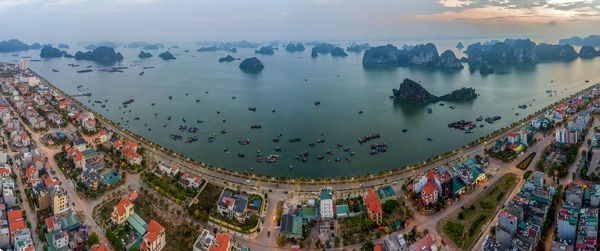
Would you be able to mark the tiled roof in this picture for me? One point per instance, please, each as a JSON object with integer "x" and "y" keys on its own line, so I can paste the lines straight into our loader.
{"x": 373, "y": 203}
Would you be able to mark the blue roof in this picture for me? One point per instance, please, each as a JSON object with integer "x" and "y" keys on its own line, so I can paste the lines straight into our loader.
{"x": 256, "y": 203}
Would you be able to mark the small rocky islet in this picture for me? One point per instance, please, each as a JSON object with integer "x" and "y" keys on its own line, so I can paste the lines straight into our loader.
{"x": 166, "y": 56}
{"x": 412, "y": 92}
{"x": 228, "y": 58}
{"x": 251, "y": 65}
{"x": 144, "y": 54}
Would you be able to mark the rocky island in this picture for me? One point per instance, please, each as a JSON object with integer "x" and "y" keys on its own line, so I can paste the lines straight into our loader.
{"x": 251, "y": 65}
{"x": 412, "y": 92}
{"x": 265, "y": 50}
{"x": 592, "y": 40}
{"x": 166, "y": 55}
{"x": 326, "y": 48}
{"x": 420, "y": 55}
{"x": 460, "y": 46}
{"x": 228, "y": 58}
{"x": 517, "y": 51}
{"x": 358, "y": 48}
{"x": 587, "y": 51}
{"x": 144, "y": 54}
{"x": 291, "y": 47}
{"x": 51, "y": 52}
{"x": 102, "y": 55}
{"x": 13, "y": 45}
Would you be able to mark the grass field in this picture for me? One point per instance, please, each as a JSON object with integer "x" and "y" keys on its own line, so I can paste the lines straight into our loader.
{"x": 525, "y": 163}
{"x": 463, "y": 229}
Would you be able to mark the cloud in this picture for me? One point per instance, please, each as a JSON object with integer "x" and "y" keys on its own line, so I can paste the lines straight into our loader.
{"x": 513, "y": 11}
{"x": 9, "y": 4}
{"x": 455, "y": 3}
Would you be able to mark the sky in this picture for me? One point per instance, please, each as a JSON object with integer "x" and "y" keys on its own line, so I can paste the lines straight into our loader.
{"x": 289, "y": 20}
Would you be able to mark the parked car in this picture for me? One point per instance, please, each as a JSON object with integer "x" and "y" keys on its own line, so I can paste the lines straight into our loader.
{"x": 268, "y": 233}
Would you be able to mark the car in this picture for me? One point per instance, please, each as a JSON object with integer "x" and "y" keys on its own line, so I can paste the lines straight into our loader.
{"x": 247, "y": 181}
{"x": 395, "y": 183}
{"x": 462, "y": 207}
{"x": 285, "y": 192}
{"x": 443, "y": 242}
{"x": 268, "y": 233}
{"x": 270, "y": 190}
{"x": 485, "y": 187}
{"x": 385, "y": 180}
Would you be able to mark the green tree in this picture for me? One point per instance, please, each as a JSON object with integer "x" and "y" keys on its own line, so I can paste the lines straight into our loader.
{"x": 368, "y": 246}
{"x": 336, "y": 241}
{"x": 134, "y": 248}
{"x": 93, "y": 239}
{"x": 282, "y": 240}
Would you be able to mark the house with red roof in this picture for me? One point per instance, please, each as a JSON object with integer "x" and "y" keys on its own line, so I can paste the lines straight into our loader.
{"x": 122, "y": 211}
{"x": 430, "y": 194}
{"x": 98, "y": 247}
{"x": 15, "y": 221}
{"x": 155, "y": 237}
{"x": 191, "y": 180}
{"x": 128, "y": 151}
{"x": 513, "y": 137}
{"x": 32, "y": 173}
{"x": 104, "y": 135}
{"x": 374, "y": 210}
{"x": 222, "y": 243}
{"x": 77, "y": 156}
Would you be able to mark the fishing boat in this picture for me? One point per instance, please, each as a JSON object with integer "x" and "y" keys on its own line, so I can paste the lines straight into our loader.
{"x": 223, "y": 131}
{"x": 244, "y": 142}
{"x": 368, "y": 137}
{"x": 129, "y": 101}
{"x": 429, "y": 110}
{"x": 84, "y": 71}
{"x": 312, "y": 144}
{"x": 170, "y": 97}
{"x": 252, "y": 109}
{"x": 175, "y": 136}
{"x": 141, "y": 73}
{"x": 256, "y": 126}
{"x": 404, "y": 130}
{"x": 317, "y": 103}
{"x": 278, "y": 149}
{"x": 241, "y": 155}
{"x": 148, "y": 67}
{"x": 54, "y": 70}
{"x": 295, "y": 139}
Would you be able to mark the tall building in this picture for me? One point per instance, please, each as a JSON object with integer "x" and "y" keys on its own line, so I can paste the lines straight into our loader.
{"x": 23, "y": 65}
{"x": 59, "y": 201}
{"x": 326, "y": 206}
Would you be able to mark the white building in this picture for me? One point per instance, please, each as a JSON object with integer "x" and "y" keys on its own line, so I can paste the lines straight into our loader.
{"x": 326, "y": 206}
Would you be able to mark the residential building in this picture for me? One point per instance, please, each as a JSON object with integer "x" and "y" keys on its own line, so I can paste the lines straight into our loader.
{"x": 326, "y": 205}
{"x": 169, "y": 169}
{"x": 59, "y": 202}
{"x": 155, "y": 237}
{"x": 425, "y": 243}
{"x": 222, "y": 243}
{"x": 190, "y": 179}
{"x": 204, "y": 241}
{"x": 394, "y": 242}
{"x": 122, "y": 211}
{"x": 233, "y": 206}
{"x": 373, "y": 204}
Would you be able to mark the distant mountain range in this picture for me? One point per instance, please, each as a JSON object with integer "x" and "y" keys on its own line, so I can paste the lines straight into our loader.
{"x": 592, "y": 40}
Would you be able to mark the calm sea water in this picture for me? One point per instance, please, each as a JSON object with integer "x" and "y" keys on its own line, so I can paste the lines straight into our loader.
{"x": 341, "y": 85}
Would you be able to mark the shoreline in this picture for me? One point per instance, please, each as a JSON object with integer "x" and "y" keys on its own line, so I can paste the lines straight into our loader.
{"x": 441, "y": 157}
